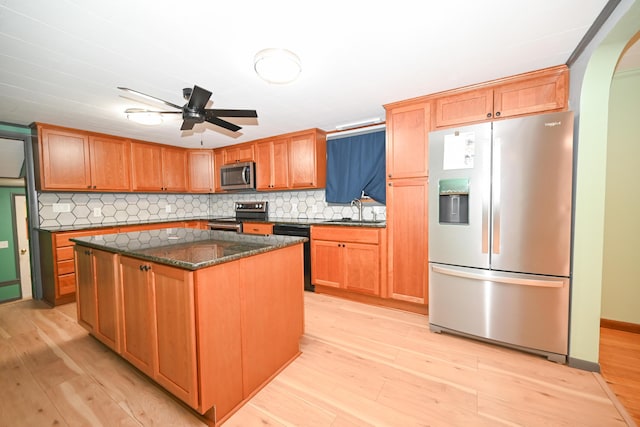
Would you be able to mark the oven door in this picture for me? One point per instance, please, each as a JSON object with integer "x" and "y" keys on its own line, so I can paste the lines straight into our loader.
{"x": 234, "y": 226}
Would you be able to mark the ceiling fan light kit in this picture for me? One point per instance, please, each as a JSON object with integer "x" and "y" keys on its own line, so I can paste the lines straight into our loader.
{"x": 279, "y": 66}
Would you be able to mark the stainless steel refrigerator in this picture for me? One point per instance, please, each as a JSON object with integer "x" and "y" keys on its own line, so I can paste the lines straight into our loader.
{"x": 500, "y": 232}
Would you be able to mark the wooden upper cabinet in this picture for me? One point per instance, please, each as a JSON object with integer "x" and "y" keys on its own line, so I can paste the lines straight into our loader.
{"x": 407, "y": 140}
{"x": 218, "y": 161}
{"x": 110, "y": 163}
{"x": 64, "y": 159}
{"x": 272, "y": 164}
{"x": 536, "y": 92}
{"x": 239, "y": 153}
{"x": 158, "y": 168}
{"x": 467, "y": 107}
{"x": 174, "y": 169}
{"x": 308, "y": 159}
{"x": 146, "y": 165}
{"x": 200, "y": 171}
{"x": 536, "y": 95}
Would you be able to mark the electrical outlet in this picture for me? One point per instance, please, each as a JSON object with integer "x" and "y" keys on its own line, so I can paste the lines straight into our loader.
{"x": 97, "y": 212}
{"x": 167, "y": 208}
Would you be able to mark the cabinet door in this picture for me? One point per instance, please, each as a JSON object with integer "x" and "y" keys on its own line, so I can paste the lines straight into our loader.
{"x": 306, "y": 169}
{"x": 174, "y": 169}
{"x": 327, "y": 266}
{"x": 264, "y": 165}
{"x": 85, "y": 288}
{"x": 218, "y": 161}
{"x": 107, "y": 281}
{"x": 176, "y": 333}
{"x": 138, "y": 315}
{"x": 408, "y": 240}
{"x": 110, "y": 163}
{"x": 362, "y": 268}
{"x": 407, "y": 146}
{"x": 65, "y": 163}
{"x": 536, "y": 95}
{"x": 146, "y": 167}
{"x": 200, "y": 171}
{"x": 280, "y": 162}
{"x": 467, "y": 107}
{"x": 239, "y": 153}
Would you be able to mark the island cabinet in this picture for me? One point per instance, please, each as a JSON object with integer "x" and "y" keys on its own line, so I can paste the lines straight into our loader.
{"x": 200, "y": 167}
{"x": 531, "y": 93}
{"x": 212, "y": 336}
{"x": 158, "y": 323}
{"x": 272, "y": 164}
{"x": 158, "y": 168}
{"x": 98, "y": 294}
{"x": 69, "y": 159}
{"x": 347, "y": 258}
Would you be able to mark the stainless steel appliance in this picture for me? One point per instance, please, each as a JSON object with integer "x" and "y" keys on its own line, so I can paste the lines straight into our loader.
{"x": 238, "y": 176}
{"x": 500, "y": 202}
{"x": 300, "y": 230}
{"x": 244, "y": 211}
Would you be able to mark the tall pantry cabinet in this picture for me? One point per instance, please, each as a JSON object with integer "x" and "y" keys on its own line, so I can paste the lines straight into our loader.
{"x": 408, "y": 126}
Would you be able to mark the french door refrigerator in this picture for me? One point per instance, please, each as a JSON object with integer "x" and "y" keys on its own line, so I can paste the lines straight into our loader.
{"x": 500, "y": 199}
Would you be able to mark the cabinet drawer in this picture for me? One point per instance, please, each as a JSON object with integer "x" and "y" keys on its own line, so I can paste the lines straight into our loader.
{"x": 257, "y": 228}
{"x": 66, "y": 284}
{"x": 65, "y": 253}
{"x": 66, "y": 267}
{"x": 346, "y": 234}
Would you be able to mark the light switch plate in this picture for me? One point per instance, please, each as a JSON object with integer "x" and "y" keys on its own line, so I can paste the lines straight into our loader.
{"x": 61, "y": 207}
{"x": 4, "y": 244}
{"x": 97, "y": 212}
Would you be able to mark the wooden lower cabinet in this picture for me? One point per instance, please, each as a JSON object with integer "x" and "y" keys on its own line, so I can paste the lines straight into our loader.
{"x": 260, "y": 228}
{"x": 347, "y": 257}
{"x": 407, "y": 233}
{"x": 212, "y": 337}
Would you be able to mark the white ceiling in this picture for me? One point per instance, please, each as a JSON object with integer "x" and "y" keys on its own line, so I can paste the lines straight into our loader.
{"x": 61, "y": 61}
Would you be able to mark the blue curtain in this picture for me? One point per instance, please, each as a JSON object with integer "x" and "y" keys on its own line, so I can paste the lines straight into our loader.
{"x": 356, "y": 164}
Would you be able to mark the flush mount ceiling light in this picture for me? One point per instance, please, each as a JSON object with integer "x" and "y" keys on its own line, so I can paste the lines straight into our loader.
{"x": 144, "y": 117}
{"x": 278, "y": 66}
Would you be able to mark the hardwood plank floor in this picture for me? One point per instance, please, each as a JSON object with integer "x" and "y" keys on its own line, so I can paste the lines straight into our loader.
{"x": 620, "y": 365}
{"x": 361, "y": 366}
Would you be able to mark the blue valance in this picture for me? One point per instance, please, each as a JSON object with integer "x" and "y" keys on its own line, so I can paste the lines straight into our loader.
{"x": 356, "y": 164}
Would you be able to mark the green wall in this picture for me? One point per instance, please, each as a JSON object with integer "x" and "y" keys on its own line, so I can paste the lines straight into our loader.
{"x": 621, "y": 263}
{"x": 8, "y": 270}
{"x": 591, "y": 176}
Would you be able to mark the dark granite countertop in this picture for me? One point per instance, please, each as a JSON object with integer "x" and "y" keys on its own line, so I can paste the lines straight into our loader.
{"x": 187, "y": 248}
{"x": 277, "y": 220}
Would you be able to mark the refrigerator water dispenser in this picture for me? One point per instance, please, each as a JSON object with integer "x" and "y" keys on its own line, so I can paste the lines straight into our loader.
{"x": 454, "y": 201}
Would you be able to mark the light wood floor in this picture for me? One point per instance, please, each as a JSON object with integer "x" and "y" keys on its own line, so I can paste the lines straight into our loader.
{"x": 361, "y": 366}
{"x": 620, "y": 365}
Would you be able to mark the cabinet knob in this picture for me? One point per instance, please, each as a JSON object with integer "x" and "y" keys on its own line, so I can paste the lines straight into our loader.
{"x": 390, "y": 184}
{"x": 389, "y": 175}
{"x": 142, "y": 268}
{"x": 88, "y": 186}
{"x": 488, "y": 115}
{"x": 497, "y": 113}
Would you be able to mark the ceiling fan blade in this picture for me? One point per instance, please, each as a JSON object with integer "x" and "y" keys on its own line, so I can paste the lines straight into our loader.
{"x": 142, "y": 110}
{"x": 222, "y": 123}
{"x": 198, "y": 99}
{"x": 188, "y": 124}
{"x": 231, "y": 113}
{"x": 153, "y": 98}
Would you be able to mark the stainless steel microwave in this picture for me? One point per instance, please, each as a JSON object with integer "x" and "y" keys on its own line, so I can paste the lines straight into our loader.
{"x": 238, "y": 176}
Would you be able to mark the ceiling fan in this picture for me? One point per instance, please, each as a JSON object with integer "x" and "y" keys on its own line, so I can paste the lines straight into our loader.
{"x": 194, "y": 110}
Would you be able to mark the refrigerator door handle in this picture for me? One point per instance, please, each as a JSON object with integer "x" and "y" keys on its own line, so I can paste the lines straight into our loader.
{"x": 550, "y": 283}
{"x": 486, "y": 198}
{"x": 497, "y": 160}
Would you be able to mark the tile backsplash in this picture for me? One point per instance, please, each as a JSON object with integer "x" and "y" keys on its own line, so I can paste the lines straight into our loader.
{"x": 77, "y": 209}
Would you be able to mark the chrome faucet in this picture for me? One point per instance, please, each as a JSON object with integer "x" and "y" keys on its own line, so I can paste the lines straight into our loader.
{"x": 358, "y": 204}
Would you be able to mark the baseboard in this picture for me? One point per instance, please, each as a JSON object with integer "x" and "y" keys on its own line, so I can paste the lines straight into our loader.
{"x": 583, "y": 364}
{"x": 620, "y": 326}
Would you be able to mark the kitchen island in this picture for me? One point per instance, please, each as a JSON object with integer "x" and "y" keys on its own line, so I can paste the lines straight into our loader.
{"x": 211, "y": 316}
